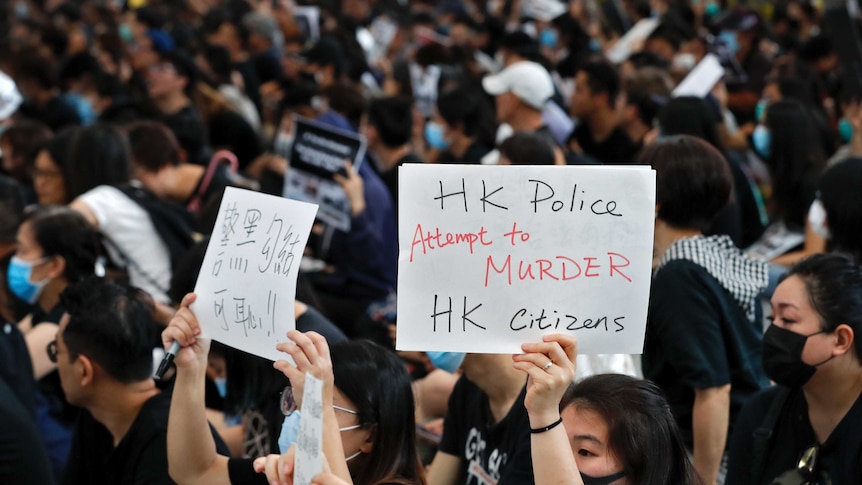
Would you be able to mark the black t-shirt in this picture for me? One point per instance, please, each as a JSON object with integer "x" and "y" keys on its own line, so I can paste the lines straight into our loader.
{"x": 697, "y": 337}
{"x": 23, "y": 458}
{"x": 141, "y": 456}
{"x": 617, "y": 149}
{"x": 390, "y": 178}
{"x": 251, "y": 82}
{"x": 16, "y": 368}
{"x": 840, "y": 457}
{"x": 472, "y": 156}
{"x": 491, "y": 453}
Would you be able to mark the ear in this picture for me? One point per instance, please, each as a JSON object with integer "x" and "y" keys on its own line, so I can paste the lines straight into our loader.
{"x": 844, "y": 338}
{"x": 58, "y": 266}
{"x": 86, "y": 370}
{"x": 368, "y": 445}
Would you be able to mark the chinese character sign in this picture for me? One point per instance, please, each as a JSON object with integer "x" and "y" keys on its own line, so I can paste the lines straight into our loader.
{"x": 492, "y": 257}
{"x": 247, "y": 284}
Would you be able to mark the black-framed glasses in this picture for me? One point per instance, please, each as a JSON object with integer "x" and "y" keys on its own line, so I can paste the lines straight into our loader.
{"x": 52, "y": 351}
{"x": 287, "y": 403}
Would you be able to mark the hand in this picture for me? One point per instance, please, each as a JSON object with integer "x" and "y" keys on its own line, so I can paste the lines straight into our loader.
{"x": 354, "y": 188}
{"x": 278, "y": 468}
{"x": 310, "y": 352}
{"x": 184, "y": 328}
{"x": 547, "y": 384}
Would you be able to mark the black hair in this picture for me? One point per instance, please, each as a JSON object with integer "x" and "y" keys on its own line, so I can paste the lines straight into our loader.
{"x": 150, "y": 17}
{"x": 647, "y": 59}
{"x": 61, "y": 231}
{"x": 602, "y": 77}
{"x": 521, "y": 44}
{"x": 693, "y": 181}
{"x": 795, "y": 161}
{"x": 839, "y": 187}
{"x": 647, "y": 91}
{"x": 375, "y": 380}
{"x": 219, "y": 62}
{"x": 153, "y": 145}
{"x": 526, "y": 148}
{"x": 77, "y": 67}
{"x": 183, "y": 65}
{"x": 25, "y": 138}
{"x": 30, "y": 65}
{"x": 11, "y": 209}
{"x": 347, "y": 100}
{"x": 834, "y": 286}
{"x": 215, "y": 18}
{"x": 98, "y": 155}
{"x": 393, "y": 119}
{"x": 112, "y": 325}
{"x": 817, "y": 47}
{"x": 468, "y": 109}
{"x": 639, "y": 422}
{"x": 690, "y": 115}
{"x": 58, "y": 149}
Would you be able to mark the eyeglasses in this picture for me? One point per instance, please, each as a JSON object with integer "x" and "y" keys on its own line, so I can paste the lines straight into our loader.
{"x": 807, "y": 466}
{"x": 287, "y": 404}
{"x": 52, "y": 351}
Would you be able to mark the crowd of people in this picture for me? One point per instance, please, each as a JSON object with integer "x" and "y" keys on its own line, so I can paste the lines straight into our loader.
{"x": 122, "y": 123}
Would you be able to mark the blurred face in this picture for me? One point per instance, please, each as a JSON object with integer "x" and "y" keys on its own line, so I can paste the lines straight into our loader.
{"x": 30, "y": 250}
{"x": 582, "y": 100}
{"x": 460, "y": 34}
{"x": 162, "y": 79}
{"x": 588, "y": 437}
{"x": 661, "y": 48}
{"x": 506, "y": 104}
{"x": 792, "y": 310}
{"x": 226, "y": 36}
{"x": 69, "y": 371}
{"x": 48, "y": 181}
{"x": 8, "y": 157}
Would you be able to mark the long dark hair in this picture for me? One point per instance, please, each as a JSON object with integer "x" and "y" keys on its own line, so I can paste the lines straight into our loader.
{"x": 639, "y": 424}
{"x": 795, "y": 161}
{"x": 376, "y": 381}
{"x": 61, "y": 231}
{"x": 688, "y": 115}
{"x": 98, "y": 155}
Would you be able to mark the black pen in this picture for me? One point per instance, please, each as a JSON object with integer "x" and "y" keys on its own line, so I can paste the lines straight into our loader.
{"x": 166, "y": 360}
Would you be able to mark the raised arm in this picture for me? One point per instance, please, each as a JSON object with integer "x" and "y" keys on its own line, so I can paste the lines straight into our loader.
{"x": 192, "y": 456}
{"x": 550, "y": 365}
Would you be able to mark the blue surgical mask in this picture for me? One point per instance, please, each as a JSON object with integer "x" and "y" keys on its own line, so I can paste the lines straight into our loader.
{"x": 83, "y": 107}
{"x": 221, "y": 385}
{"x": 728, "y": 37}
{"x": 18, "y": 276}
{"x": 447, "y": 361}
{"x": 548, "y": 38}
{"x": 845, "y": 129}
{"x": 712, "y": 8}
{"x": 762, "y": 140}
{"x": 759, "y": 110}
{"x": 126, "y": 34}
{"x": 434, "y": 135}
{"x": 289, "y": 431}
{"x": 606, "y": 480}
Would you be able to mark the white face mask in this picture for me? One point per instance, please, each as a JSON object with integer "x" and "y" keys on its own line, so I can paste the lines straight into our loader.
{"x": 504, "y": 132}
{"x": 817, "y": 219}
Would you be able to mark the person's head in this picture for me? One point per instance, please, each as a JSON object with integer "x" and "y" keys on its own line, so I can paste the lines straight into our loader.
{"x": 463, "y": 112}
{"x": 838, "y": 194}
{"x": 98, "y": 155}
{"x": 56, "y": 247}
{"x": 525, "y": 148}
{"x": 11, "y": 212}
{"x": 615, "y": 424}
{"x": 325, "y": 62}
{"x": 522, "y": 86}
{"x": 789, "y": 144}
{"x": 105, "y": 339}
{"x": 819, "y": 53}
{"x": 693, "y": 181}
{"x": 263, "y": 32}
{"x": 155, "y": 151}
{"x": 51, "y": 169}
{"x": 664, "y": 42}
{"x": 220, "y": 28}
{"x": 596, "y": 87}
{"x": 173, "y": 74}
{"x": 34, "y": 74}
{"x": 515, "y": 47}
{"x": 642, "y": 96}
{"x": 690, "y": 115}
{"x": 816, "y": 314}
{"x": 372, "y": 381}
{"x": 390, "y": 122}
{"x": 19, "y": 144}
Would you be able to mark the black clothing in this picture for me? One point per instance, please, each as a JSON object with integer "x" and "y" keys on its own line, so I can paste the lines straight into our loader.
{"x": 840, "y": 457}
{"x": 229, "y": 130}
{"x": 617, "y": 149}
{"x": 23, "y": 458}
{"x": 56, "y": 114}
{"x": 190, "y": 132}
{"x": 390, "y": 177}
{"x": 250, "y": 81}
{"x": 472, "y": 156}
{"x": 490, "y": 453}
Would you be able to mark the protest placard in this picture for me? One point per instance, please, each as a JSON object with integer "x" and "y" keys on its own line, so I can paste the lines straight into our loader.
{"x": 307, "y": 18}
{"x": 309, "y": 438}
{"x": 317, "y": 154}
{"x": 623, "y": 48}
{"x": 247, "y": 282}
{"x": 492, "y": 257}
{"x": 701, "y": 79}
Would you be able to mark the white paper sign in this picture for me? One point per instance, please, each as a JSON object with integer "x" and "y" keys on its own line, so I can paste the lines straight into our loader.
{"x": 623, "y": 47}
{"x": 247, "y": 283}
{"x": 492, "y": 257}
{"x": 309, "y": 438}
{"x": 701, "y": 79}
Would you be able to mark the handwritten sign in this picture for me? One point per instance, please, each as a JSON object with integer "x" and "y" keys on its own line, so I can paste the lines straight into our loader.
{"x": 317, "y": 154}
{"x": 636, "y": 35}
{"x": 247, "y": 283}
{"x": 701, "y": 79}
{"x": 492, "y": 257}
{"x": 309, "y": 438}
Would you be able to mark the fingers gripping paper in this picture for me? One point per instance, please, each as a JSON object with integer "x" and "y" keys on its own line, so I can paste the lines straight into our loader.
{"x": 247, "y": 283}
{"x": 491, "y": 257}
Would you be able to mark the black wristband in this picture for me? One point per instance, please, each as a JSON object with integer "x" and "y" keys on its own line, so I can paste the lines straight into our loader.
{"x": 546, "y": 428}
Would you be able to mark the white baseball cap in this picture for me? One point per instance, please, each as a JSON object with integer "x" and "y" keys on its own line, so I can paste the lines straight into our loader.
{"x": 10, "y": 98}
{"x": 527, "y": 80}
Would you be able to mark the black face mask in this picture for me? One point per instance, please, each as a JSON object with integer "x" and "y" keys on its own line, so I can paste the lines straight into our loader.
{"x": 606, "y": 480}
{"x": 782, "y": 357}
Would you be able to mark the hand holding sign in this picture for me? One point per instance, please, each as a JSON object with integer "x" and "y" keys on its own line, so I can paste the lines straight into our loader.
{"x": 310, "y": 354}
{"x": 184, "y": 329}
{"x": 247, "y": 284}
{"x": 551, "y": 367}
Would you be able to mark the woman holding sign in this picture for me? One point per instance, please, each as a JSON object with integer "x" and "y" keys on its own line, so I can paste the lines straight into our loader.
{"x": 368, "y": 423}
{"x": 612, "y": 425}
